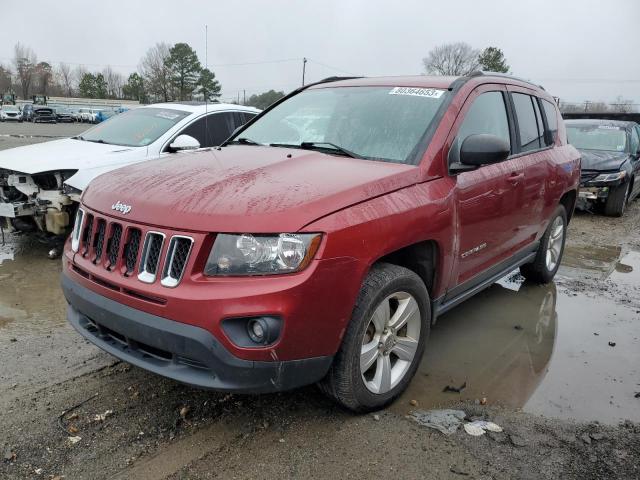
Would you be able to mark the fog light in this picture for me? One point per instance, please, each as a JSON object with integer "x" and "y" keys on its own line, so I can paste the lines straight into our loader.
{"x": 258, "y": 330}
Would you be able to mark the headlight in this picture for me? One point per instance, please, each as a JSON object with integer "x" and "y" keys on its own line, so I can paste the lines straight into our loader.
{"x": 248, "y": 254}
{"x": 610, "y": 177}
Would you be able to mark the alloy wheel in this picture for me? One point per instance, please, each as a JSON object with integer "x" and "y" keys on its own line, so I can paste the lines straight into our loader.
{"x": 390, "y": 342}
{"x": 554, "y": 247}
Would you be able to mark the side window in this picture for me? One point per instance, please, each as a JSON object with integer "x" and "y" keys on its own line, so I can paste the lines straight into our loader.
{"x": 211, "y": 130}
{"x": 197, "y": 131}
{"x": 539, "y": 121}
{"x": 551, "y": 115}
{"x": 248, "y": 116}
{"x": 527, "y": 122}
{"x": 487, "y": 114}
{"x": 635, "y": 139}
{"x": 240, "y": 118}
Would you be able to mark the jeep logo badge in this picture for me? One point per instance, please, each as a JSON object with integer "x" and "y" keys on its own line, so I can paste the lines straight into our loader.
{"x": 121, "y": 207}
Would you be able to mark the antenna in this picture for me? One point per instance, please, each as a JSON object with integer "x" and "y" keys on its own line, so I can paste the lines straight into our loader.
{"x": 206, "y": 66}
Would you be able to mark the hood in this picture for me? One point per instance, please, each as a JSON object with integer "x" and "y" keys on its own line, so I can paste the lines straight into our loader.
{"x": 602, "y": 160}
{"x": 243, "y": 188}
{"x": 66, "y": 154}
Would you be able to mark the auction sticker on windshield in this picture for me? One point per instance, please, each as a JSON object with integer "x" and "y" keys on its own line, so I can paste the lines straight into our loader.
{"x": 417, "y": 92}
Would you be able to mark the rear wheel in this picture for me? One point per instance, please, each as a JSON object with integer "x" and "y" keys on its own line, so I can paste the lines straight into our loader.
{"x": 617, "y": 200}
{"x": 549, "y": 254}
{"x": 384, "y": 342}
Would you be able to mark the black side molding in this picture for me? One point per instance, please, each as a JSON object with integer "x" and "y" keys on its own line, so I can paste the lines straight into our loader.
{"x": 483, "y": 280}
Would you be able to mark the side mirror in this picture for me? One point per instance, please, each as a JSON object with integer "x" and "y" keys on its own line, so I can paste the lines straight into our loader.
{"x": 483, "y": 149}
{"x": 184, "y": 142}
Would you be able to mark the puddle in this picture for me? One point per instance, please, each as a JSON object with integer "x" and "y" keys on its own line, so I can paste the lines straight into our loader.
{"x": 30, "y": 297}
{"x": 596, "y": 261}
{"x": 534, "y": 349}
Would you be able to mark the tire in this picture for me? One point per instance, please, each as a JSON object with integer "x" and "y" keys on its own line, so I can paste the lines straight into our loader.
{"x": 391, "y": 286}
{"x": 549, "y": 254}
{"x": 617, "y": 200}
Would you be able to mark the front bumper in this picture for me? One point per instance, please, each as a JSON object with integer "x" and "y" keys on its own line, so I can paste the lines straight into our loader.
{"x": 183, "y": 352}
{"x": 593, "y": 193}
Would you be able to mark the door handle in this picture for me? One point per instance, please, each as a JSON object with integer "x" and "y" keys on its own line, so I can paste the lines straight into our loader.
{"x": 515, "y": 177}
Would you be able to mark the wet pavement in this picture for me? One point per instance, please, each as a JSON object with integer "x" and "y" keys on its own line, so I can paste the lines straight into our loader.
{"x": 542, "y": 349}
{"x": 537, "y": 349}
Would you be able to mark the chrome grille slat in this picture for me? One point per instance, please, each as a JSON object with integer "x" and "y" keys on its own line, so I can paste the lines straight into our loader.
{"x": 150, "y": 258}
{"x": 98, "y": 242}
{"x": 86, "y": 236}
{"x": 176, "y": 260}
{"x": 113, "y": 245}
{"x": 131, "y": 250}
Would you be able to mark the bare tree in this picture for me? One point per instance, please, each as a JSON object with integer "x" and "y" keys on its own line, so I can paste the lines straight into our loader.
{"x": 65, "y": 77}
{"x": 156, "y": 74}
{"x": 78, "y": 74}
{"x": 5, "y": 79}
{"x": 43, "y": 77}
{"x": 451, "y": 59}
{"x": 114, "y": 80}
{"x": 622, "y": 105}
{"x": 25, "y": 61}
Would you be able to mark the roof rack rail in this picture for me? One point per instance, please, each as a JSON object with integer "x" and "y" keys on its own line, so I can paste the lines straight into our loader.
{"x": 480, "y": 73}
{"x": 336, "y": 79}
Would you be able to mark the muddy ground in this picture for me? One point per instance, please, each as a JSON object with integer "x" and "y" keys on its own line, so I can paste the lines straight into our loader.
{"x": 556, "y": 366}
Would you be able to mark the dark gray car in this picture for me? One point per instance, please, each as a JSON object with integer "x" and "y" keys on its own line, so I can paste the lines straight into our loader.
{"x": 610, "y": 162}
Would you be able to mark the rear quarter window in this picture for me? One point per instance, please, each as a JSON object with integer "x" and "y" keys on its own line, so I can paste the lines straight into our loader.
{"x": 530, "y": 136}
{"x": 551, "y": 114}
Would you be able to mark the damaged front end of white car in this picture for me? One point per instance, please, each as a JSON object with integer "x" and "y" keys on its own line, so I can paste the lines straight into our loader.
{"x": 37, "y": 202}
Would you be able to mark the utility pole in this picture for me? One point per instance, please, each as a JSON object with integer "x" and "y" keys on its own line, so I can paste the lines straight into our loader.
{"x": 304, "y": 68}
{"x": 244, "y": 97}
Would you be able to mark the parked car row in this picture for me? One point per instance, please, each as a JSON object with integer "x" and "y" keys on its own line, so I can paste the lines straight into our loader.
{"x": 55, "y": 113}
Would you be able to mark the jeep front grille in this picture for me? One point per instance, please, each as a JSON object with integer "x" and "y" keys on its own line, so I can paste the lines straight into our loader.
{"x": 130, "y": 250}
{"x": 176, "y": 260}
{"x": 150, "y": 256}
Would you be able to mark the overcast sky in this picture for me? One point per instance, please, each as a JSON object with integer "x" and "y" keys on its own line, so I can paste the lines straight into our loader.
{"x": 578, "y": 49}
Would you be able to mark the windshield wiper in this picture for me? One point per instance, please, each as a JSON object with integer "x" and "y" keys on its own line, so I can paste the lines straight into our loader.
{"x": 78, "y": 137}
{"x": 244, "y": 141}
{"x": 320, "y": 146}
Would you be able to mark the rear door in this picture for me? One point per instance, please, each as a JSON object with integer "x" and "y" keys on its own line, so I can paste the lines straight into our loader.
{"x": 487, "y": 198}
{"x": 534, "y": 154}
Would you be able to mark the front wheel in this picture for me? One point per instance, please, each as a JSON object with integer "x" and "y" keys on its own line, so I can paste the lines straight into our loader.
{"x": 549, "y": 253}
{"x": 384, "y": 342}
{"x": 617, "y": 200}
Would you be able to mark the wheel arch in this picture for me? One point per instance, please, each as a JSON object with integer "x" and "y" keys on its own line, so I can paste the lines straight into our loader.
{"x": 568, "y": 201}
{"x": 421, "y": 258}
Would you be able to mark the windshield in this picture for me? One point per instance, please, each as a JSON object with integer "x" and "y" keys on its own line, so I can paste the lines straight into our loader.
{"x": 597, "y": 137}
{"x": 135, "y": 128}
{"x": 376, "y": 123}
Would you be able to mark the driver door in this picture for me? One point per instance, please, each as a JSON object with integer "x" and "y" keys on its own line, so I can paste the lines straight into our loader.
{"x": 487, "y": 198}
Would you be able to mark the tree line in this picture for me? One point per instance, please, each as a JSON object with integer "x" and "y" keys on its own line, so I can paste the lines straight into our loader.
{"x": 165, "y": 73}
{"x": 173, "y": 72}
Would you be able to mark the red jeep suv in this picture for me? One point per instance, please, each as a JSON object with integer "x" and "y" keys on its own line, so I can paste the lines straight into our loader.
{"x": 321, "y": 242}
